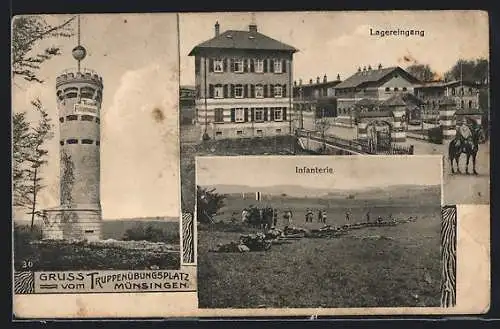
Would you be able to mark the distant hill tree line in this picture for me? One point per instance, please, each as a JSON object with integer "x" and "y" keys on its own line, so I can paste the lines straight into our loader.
{"x": 470, "y": 70}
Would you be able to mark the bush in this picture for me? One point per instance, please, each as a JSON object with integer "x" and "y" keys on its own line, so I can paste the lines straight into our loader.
{"x": 150, "y": 233}
{"x": 23, "y": 248}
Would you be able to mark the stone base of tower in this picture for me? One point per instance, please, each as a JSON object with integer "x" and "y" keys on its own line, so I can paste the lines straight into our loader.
{"x": 72, "y": 224}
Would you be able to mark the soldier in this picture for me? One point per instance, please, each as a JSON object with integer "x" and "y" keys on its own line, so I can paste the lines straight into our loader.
{"x": 463, "y": 132}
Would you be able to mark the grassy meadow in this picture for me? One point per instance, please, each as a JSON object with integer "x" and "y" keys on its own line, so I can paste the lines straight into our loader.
{"x": 104, "y": 255}
{"x": 396, "y": 266}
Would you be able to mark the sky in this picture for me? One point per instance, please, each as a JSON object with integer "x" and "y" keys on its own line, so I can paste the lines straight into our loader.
{"x": 334, "y": 43}
{"x": 137, "y": 57}
{"x": 349, "y": 173}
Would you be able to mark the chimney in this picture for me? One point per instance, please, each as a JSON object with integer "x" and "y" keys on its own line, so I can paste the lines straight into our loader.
{"x": 317, "y": 79}
{"x": 359, "y": 68}
{"x": 295, "y": 83}
{"x": 364, "y": 68}
{"x": 324, "y": 79}
{"x": 380, "y": 66}
{"x": 369, "y": 67}
{"x": 338, "y": 77}
{"x": 217, "y": 29}
{"x": 310, "y": 81}
{"x": 300, "y": 82}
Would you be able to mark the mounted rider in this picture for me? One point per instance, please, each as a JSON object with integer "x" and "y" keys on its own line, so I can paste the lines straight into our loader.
{"x": 464, "y": 132}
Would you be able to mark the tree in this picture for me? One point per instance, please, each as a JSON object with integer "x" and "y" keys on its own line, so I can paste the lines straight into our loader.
{"x": 422, "y": 72}
{"x": 28, "y": 156}
{"x": 322, "y": 125}
{"x": 27, "y": 31}
{"x": 476, "y": 71}
{"x": 208, "y": 204}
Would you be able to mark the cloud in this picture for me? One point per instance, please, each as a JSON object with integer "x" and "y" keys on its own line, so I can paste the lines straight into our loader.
{"x": 139, "y": 146}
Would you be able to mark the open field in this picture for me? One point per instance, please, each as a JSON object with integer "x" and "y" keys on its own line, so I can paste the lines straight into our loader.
{"x": 393, "y": 266}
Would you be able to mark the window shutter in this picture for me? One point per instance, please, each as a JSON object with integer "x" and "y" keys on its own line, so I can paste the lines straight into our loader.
{"x": 283, "y": 66}
{"x": 246, "y": 114}
{"x": 264, "y": 87}
{"x": 271, "y": 90}
{"x": 232, "y": 64}
{"x": 265, "y": 65}
{"x": 252, "y": 91}
{"x": 245, "y": 65}
{"x": 265, "y": 113}
{"x": 225, "y": 91}
{"x": 252, "y": 67}
{"x": 284, "y": 114}
{"x": 210, "y": 65}
{"x": 224, "y": 64}
{"x": 210, "y": 91}
{"x": 252, "y": 115}
{"x": 244, "y": 91}
{"x": 283, "y": 90}
{"x": 271, "y": 65}
{"x": 232, "y": 91}
{"x": 272, "y": 114}
{"x": 233, "y": 115}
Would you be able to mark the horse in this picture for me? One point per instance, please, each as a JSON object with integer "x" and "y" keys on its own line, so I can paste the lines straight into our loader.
{"x": 469, "y": 146}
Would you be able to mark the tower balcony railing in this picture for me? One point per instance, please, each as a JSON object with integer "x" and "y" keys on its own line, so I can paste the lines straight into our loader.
{"x": 74, "y": 73}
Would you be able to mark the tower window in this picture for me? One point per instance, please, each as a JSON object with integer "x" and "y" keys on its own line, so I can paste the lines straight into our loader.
{"x": 72, "y": 117}
{"x": 71, "y": 92}
{"x": 61, "y": 142}
{"x": 87, "y": 92}
{"x": 87, "y": 141}
{"x": 72, "y": 141}
{"x": 97, "y": 120}
{"x": 97, "y": 143}
{"x": 61, "y": 119}
{"x": 87, "y": 118}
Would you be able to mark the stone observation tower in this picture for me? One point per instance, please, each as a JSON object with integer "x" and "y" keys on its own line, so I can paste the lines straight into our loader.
{"x": 79, "y": 97}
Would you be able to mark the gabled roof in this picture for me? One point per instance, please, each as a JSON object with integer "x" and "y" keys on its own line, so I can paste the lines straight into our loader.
{"x": 374, "y": 75}
{"x": 232, "y": 39}
{"x": 403, "y": 99}
{"x": 441, "y": 84}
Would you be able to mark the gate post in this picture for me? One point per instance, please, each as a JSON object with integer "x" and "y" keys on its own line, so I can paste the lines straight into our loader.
{"x": 398, "y": 135}
{"x": 447, "y": 110}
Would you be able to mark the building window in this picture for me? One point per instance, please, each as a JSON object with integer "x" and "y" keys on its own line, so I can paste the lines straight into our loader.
{"x": 87, "y": 141}
{"x": 72, "y": 141}
{"x": 387, "y": 89}
{"x": 219, "y": 92}
{"x": 404, "y": 89}
{"x": 396, "y": 88}
{"x": 238, "y": 91}
{"x": 470, "y": 91}
{"x": 61, "y": 142}
{"x": 72, "y": 117}
{"x": 61, "y": 119}
{"x": 259, "y": 115}
{"x": 278, "y": 91}
{"x": 259, "y": 65}
{"x": 259, "y": 132}
{"x": 453, "y": 91}
{"x": 277, "y": 66}
{"x": 218, "y": 65}
{"x": 219, "y": 115}
{"x": 239, "y": 115}
{"x": 97, "y": 143}
{"x": 278, "y": 114}
{"x": 97, "y": 120}
{"x": 278, "y": 131}
{"x": 259, "y": 91}
{"x": 239, "y": 132}
{"x": 238, "y": 65}
{"x": 87, "y": 118}
{"x": 470, "y": 104}
{"x": 218, "y": 133}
